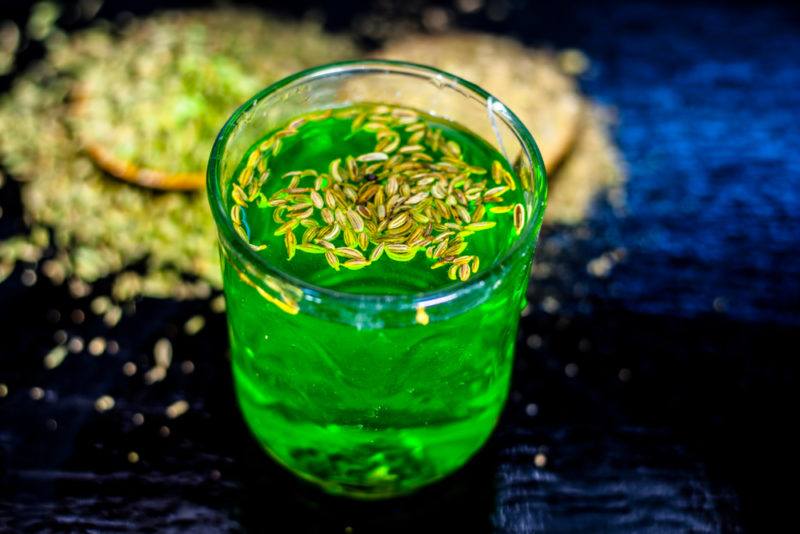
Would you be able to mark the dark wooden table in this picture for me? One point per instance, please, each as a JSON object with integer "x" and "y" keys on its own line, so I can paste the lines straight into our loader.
{"x": 658, "y": 396}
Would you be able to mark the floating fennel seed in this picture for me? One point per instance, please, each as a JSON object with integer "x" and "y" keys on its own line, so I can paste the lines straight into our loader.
{"x": 421, "y": 156}
{"x": 372, "y": 156}
{"x": 476, "y": 170}
{"x": 399, "y": 250}
{"x": 419, "y": 242}
{"x": 290, "y": 241}
{"x": 519, "y": 218}
{"x": 456, "y": 248}
{"x": 349, "y": 236}
{"x": 452, "y": 272}
{"x": 374, "y": 126}
{"x": 391, "y": 146}
{"x": 330, "y": 199}
{"x": 285, "y": 227}
{"x": 350, "y": 253}
{"x": 304, "y": 214}
{"x": 352, "y": 167}
{"x": 317, "y": 200}
{"x": 332, "y": 260}
{"x": 261, "y": 166}
{"x": 355, "y": 220}
{"x": 401, "y": 230}
{"x": 241, "y": 232}
{"x": 311, "y": 248}
{"x": 355, "y": 264}
{"x": 333, "y": 170}
{"x": 309, "y": 234}
{"x": 377, "y": 252}
{"x": 415, "y": 138}
{"x": 253, "y": 159}
{"x": 496, "y": 191}
{"x": 478, "y": 226}
{"x": 509, "y": 180}
{"x": 416, "y": 199}
{"x": 350, "y": 193}
{"x": 236, "y": 214}
{"x": 501, "y": 209}
{"x": 420, "y": 217}
{"x": 363, "y": 241}
{"x": 299, "y": 206}
{"x": 364, "y": 211}
{"x": 330, "y": 232}
{"x": 440, "y": 248}
{"x": 415, "y": 234}
{"x": 442, "y": 236}
{"x": 464, "y": 272}
{"x": 453, "y": 147}
{"x": 475, "y": 264}
{"x": 340, "y": 217}
{"x": 398, "y": 221}
{"x": 358, "y": 121}
{"x": 497, "y": 172}
{"x": 408, "y": 256}
{"x": 297, "y": 123}
{"x": 239, "y": 196}
{"x": 463, "y": 214}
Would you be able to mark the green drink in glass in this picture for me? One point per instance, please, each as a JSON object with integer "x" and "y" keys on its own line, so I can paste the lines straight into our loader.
{"x": 377, "y": 223}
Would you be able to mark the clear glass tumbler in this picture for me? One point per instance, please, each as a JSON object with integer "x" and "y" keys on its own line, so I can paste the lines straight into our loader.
{"x": 353, "y": 391}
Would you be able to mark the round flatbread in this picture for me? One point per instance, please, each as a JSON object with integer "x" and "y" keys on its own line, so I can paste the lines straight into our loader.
{"x": 148, "y": 108}
{"x": 529, "y": 82}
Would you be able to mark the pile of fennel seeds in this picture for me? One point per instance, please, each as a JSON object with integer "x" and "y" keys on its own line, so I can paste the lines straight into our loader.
{"x": 102, "y": 226}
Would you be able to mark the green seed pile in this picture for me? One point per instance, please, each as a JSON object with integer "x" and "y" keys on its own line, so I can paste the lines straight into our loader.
{"x": 100, "y": 225}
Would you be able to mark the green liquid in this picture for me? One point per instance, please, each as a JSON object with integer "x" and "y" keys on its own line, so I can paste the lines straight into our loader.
{"x": 365, "y": 410}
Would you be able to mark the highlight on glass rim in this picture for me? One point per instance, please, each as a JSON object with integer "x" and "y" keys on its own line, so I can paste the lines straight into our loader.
{"x": 480, "y": 266}
{"x": 375, "y": 258}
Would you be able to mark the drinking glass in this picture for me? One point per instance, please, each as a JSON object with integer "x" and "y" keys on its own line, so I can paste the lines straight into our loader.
{"x": 352, "y": 390}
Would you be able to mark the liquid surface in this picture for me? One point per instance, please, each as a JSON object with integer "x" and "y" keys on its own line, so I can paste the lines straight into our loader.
{"x": 363, "y": 410}
{"x": 450, "y": 187}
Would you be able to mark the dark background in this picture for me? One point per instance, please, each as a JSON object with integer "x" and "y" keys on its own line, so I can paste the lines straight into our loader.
{"x": 660, "y": 396}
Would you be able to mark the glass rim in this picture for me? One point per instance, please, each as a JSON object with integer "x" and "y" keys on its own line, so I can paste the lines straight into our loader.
{"x": 318, "y": 293}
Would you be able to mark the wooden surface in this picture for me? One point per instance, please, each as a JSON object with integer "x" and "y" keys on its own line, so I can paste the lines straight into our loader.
{"x": 657, "y": 394}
